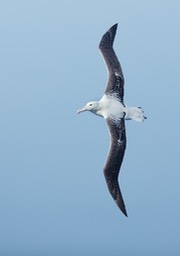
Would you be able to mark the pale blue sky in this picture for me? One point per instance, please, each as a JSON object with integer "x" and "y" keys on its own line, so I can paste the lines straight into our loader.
{"x": 53, "y": 196}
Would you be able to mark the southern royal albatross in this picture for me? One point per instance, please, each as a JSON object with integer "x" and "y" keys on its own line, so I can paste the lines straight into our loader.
{"x": 112, "y": 107}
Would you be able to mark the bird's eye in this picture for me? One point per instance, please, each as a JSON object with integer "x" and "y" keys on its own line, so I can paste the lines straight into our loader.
{"x": 90, "y": 105}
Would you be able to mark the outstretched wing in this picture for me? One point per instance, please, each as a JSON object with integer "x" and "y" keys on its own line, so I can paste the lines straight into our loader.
{"x": 115, "y": 158}
{"x": 116, "y": 79}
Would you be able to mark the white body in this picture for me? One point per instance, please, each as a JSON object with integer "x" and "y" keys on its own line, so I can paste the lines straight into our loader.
{"x": 109, "y": 106}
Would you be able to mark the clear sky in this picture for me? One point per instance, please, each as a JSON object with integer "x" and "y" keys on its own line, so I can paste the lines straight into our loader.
{"x": 53, "y": 196}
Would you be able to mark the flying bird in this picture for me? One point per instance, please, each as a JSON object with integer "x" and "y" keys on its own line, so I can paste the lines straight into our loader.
{"x": 113, "y": 109}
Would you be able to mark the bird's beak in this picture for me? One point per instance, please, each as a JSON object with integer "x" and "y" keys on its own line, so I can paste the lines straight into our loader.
{"x": 82, "y": 110}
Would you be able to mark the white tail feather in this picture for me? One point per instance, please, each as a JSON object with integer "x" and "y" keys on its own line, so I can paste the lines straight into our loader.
{"x": 135, "y": 113}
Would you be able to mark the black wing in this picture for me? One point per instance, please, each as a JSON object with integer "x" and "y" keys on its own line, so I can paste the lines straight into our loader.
{"x": 115, "y": 158}
{"x": 116, "y": 79}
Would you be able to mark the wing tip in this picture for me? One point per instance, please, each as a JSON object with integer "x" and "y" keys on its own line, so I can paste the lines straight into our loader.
{"x": 122, "y": 207}
{"x": 108, "y": 38}
{"x": 124, "y": 212}
{"x": 114, "y": 27}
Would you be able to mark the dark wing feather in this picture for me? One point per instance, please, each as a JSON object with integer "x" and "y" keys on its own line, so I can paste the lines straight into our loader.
{"x": 115, "y": 158}
{"x": 116, "y": 79}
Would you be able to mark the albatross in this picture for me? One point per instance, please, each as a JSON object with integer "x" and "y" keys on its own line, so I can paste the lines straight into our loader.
{"x": 113, "y": 109}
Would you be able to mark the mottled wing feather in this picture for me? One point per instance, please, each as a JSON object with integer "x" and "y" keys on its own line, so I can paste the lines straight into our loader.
{"x": 116, "y": 79}
{"x": 115, "y": 158}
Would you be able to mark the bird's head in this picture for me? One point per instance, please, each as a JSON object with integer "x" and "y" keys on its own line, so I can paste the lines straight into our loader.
{"x": 91, "y": 106}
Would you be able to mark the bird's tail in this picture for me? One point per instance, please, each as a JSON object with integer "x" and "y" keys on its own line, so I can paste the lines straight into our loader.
{"x": 135, "y": 113}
